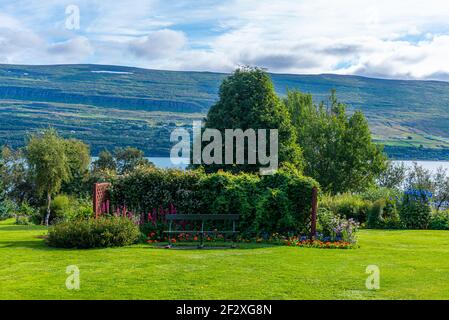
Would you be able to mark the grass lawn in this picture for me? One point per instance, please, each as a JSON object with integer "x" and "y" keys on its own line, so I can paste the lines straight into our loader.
{"x": 413, "y": 265}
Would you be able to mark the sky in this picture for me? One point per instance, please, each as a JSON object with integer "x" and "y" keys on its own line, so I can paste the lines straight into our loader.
{"x": 399, "y": 39}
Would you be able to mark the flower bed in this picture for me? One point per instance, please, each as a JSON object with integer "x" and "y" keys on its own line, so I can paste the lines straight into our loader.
{"x": 275, "y": 239}
{"x": 297, "y": 242}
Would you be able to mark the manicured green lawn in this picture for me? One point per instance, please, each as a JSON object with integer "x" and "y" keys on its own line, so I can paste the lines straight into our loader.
{"x": 413, "y": 265}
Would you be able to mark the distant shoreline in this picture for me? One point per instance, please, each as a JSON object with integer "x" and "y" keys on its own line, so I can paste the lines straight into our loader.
{"x": 164, "y": 162}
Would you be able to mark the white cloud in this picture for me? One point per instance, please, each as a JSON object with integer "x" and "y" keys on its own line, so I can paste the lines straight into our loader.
{"x": 158, "y": 44}
{"x": 370, "y": 37}
{"x": 74, "y": 50}
{"x": 16, "y": 41}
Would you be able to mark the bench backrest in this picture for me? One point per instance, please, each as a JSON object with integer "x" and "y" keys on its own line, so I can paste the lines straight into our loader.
{"x": 202, "y": 217}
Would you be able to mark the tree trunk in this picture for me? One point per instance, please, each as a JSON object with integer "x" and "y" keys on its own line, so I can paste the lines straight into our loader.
{"x": 47, "y": 217}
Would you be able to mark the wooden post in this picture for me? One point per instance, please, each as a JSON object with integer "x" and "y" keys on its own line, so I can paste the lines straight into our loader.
{"x": 95, "y": 201}
{"x": 314, "y": 213}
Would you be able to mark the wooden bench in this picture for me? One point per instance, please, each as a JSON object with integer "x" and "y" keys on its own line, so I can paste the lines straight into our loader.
{"x": 202, "y": 217}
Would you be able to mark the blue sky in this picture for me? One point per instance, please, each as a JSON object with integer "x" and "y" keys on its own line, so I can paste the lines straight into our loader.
{"x": 388, "y": 39}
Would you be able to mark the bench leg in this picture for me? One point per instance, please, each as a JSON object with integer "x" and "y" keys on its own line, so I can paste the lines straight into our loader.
{"x": 201, "y": 246}
{"x": 233, "y": 245}
{"x": 169, "y": 235}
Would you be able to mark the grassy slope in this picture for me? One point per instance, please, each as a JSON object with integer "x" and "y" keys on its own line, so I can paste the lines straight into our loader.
{"x": 402, "y": 114}
{"x": 101, "y": 128}
{"x": 414, "y": 265}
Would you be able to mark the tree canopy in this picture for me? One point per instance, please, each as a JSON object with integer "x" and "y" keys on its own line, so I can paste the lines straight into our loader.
{"x": 49, "y": 164}
{"x": 337, "y": 147}
{"x": 247, "y": 100}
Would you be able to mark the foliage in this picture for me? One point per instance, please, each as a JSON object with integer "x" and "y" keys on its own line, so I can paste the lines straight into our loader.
{"x": 440, "y": 220}
{"x": 93, "y": 233}
{"x": 59, "y": 206}
{"x": 48, "y": 162}
{"x": 338, "y": 149}
{"x": 332, "y": 227}
{"x": 104, "y": 162}
{"x": 273, "y": 213}
{"x": 415, "y": 210}
{"x": 7, "y": 209}
{"x": 78, "y": 159}
{"x": 25, "y": 214}
{"x": 20, "y": 175}
{"x": 380, "y": 193}
{"x": 347, "y": 205}
{"x": 284, "y": 198}
{"x": 17, "y": 185}
{"x": 418, "y": 178}
{"x": 384, "y": 215}
{"x": 440, "y": 187}
{"x": 100, "y": 176}
{"x": 64, "y": 208}
{"x": 247, "y": 100}
{"x": 393, "y": 177}
{"x": 127, "y": 159}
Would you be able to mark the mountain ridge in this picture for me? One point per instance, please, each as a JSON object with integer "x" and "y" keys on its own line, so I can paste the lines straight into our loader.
{"x": 403, "y": 114}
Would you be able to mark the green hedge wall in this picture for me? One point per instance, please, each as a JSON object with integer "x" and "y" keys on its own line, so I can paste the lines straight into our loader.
{"x": 266, "y": 204}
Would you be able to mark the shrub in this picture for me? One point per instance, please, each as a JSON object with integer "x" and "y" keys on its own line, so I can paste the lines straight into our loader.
{"x": 25, "y": 214}
{"x": 79, "y": 209}
{"x": 7, "y": 209}
{"x": 273, "y": 213}
{"x": 440, "y": 220}
{"x": 93, "y": 233}
{"x": 384, "y": 215}
{"x": 347, "y": 205}
{"x": 59, "y": 206}
{"x": 415, "y": 210}
{"x": 332, "y": 227}
{"x": 265, "y": 203}
{"x": 375, "y": 193}
{"x": 65, "y": 208}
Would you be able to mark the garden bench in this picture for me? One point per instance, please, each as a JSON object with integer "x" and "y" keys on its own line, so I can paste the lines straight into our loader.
{"x": 202, "y": 217}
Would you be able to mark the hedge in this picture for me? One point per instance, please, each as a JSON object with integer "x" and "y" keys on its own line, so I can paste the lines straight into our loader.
{"x": 347, "y": 205}
{"x": 266, "y": 204}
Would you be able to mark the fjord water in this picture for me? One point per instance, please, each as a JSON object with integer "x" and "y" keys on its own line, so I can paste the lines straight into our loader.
{"x": 429, "y": 165}
{"x": 164, "y": 162}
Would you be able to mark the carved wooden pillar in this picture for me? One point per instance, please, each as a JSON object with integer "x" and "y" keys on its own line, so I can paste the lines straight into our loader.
{"x": 100, "y": 198}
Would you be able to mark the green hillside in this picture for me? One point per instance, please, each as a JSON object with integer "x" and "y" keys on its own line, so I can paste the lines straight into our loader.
{"x": 110, "y": 106}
